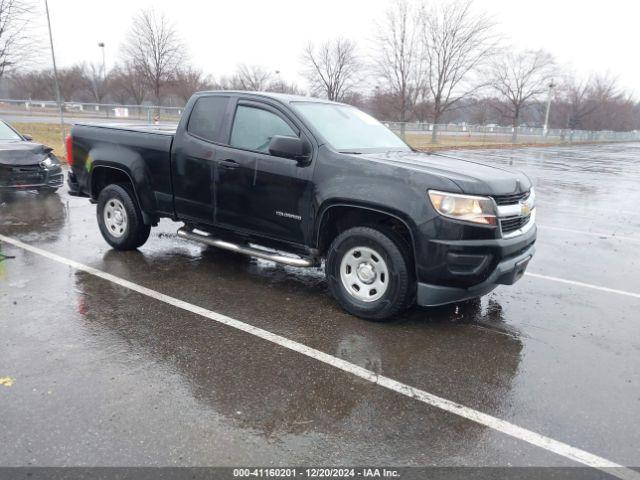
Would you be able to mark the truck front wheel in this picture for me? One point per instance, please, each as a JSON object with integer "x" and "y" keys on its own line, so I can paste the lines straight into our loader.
{"x": 120, "y": 218}
{"x": 369, "y": 272}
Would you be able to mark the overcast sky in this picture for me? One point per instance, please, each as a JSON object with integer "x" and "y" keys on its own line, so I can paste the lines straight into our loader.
{"x": 588, "y": 35}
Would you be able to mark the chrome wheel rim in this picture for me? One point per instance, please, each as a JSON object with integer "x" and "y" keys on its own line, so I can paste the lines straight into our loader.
{"x": 115, "y": 217}
{"x": 364, "y": 274}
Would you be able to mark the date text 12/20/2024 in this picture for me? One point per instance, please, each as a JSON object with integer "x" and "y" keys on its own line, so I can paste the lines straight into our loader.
{"x": 315, "y": 473}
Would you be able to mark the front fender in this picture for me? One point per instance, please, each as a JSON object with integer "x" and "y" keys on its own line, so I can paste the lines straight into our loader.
{"x": 365, "y": 206}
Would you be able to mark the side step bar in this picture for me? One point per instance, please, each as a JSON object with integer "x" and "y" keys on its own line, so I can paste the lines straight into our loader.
{"x": 245, "y": 249}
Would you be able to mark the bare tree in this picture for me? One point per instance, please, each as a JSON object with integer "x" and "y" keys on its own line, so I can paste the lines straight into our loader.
{"x": 187, "y": 81}
{"x": 280, "y": 86}
{"x": 32, "y": 85}
{"x": 72, "y": 81}
{"x": 16, "y": 45}
{"x": 154, "y": 49}
{"x": 521, "y": 77}
{"x": 332, "y": 69}
{"x": 127, "y": 84}
{"x": 597, "y": 103}
{"x": 226, "y": 82}
{"x": 96, "y": 81}
{"x": 252, "y": 77}
{"x": 575, "y": 102}
{"x": 456, "y": 43}
{"x": 77, "y": 83}
{"x": 613, "y": 107}
{"x": 398, "y": 60}
{"x": 481, "y": 111}
{"x": 605, "y": 94}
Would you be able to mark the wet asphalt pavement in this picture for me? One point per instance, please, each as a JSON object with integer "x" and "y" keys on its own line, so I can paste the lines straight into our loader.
{"x": 106, "y": 376}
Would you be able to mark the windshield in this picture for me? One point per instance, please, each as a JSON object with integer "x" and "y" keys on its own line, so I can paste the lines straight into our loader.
{"x": 348, "y": 129}
{"x": 6, "y": 133}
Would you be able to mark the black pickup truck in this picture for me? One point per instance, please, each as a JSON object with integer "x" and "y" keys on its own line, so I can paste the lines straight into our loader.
{"x": 297, "y": 181}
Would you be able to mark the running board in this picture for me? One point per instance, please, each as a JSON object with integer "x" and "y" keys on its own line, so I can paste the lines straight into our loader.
{"x": 245, "y": 249}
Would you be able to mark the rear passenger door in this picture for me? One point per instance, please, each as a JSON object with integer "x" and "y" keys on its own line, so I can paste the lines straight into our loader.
{"x": 195, "y": 150}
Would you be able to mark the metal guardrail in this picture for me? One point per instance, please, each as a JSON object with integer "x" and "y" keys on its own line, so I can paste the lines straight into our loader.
{"x": 475, "y": 133}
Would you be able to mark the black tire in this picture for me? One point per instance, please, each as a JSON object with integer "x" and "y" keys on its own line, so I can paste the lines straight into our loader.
{"x": 135, "y": 232}
{"x": 400, "y": 289}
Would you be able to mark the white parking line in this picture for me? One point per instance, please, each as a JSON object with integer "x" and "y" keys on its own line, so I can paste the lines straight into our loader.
{"x": 471, "y": 414}
{"x": 585, "y": 285}
{"x": 592, "y": 234}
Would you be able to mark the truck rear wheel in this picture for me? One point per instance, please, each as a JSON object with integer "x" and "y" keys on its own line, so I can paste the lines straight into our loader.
{"x": 369, "y": 272}
{"x": 120, "y": 218}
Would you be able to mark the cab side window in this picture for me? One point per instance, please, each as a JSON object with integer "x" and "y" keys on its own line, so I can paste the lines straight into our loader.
{"x": 254, "y": 127}
{"x": 207, "y": 117}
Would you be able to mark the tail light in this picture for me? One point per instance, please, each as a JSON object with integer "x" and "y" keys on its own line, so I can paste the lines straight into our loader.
{"x": 69, "y": 147}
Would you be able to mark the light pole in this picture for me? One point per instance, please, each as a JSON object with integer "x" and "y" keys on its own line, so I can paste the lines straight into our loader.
{"x": 545, "y": 131}
{"x": 55, "y": 73}
{"x": 104, "y": 64}
{"x": 104, "y": 73}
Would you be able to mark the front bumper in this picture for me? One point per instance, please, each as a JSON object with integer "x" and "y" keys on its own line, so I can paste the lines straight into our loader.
{"x": 507, "y": 272}
{"x": 30, "y": 177}
{"x": 451, "y": 270}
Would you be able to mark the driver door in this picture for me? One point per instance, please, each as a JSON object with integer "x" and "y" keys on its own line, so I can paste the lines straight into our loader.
{"x": 255, "y": 191}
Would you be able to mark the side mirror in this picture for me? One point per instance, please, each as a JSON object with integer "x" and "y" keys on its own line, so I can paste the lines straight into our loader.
{"x": 28, "y": 138}
{"x": 287, "y": 147}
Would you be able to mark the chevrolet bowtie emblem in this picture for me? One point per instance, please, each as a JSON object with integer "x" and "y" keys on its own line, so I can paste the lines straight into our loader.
{"x": 525, "y": 209}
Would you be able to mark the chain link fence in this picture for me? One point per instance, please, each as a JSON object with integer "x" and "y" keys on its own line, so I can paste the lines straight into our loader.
{"x": 73, "y": 110}
{"x": 456, "y": 134}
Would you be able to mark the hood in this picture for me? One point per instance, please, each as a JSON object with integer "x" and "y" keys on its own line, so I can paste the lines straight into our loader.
{"x": 22, "y": 153}
{"x": 472, "y": 177}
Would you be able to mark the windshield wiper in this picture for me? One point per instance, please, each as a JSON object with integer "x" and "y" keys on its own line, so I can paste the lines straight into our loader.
{"x": 348, "y": 152}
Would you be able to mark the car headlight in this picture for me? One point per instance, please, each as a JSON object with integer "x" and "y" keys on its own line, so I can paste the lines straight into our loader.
{"x": 47, "y": 162}
{"x": 530, "y": 202}
{"x": 468, "y": 208}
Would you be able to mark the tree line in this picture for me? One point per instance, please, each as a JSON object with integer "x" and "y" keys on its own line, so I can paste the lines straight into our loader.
{"x": 429, "y": 62}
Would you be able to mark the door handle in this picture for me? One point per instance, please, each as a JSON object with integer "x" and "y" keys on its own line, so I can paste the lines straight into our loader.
{"x": 229, "y": 164}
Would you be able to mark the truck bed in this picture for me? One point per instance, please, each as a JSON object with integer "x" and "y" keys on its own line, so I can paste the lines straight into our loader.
{"x": 160, "y": 129}
{"x": 142, "y": 152}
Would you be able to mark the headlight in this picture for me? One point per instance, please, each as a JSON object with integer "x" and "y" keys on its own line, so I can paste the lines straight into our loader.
{"x": 47, "y": 162}
{"x": 530, "y": 202}
{"x": 467, "y": 208}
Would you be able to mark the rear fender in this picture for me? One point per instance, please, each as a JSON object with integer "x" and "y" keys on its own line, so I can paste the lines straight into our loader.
{"x": 132, "y": 165}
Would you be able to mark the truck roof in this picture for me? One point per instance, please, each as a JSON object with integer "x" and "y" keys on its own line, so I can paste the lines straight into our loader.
{"x": 282, "y": 97}
{"x": 170, "y": 128}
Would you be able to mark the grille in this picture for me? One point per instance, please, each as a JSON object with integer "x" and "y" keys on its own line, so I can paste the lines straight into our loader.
{"x": 26, "y": 169}
{"x": 22, "y": 175}
{"x": 513, "y": 223}
{"x": 510, "y": 199}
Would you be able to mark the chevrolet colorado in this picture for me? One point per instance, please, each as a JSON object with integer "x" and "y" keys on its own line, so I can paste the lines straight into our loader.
{"x": 297, "y": 181}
